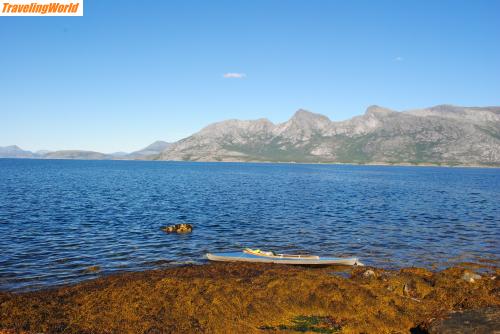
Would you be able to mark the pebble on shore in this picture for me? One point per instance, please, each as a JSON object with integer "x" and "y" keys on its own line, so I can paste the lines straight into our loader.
{"x": 369, "y": 273}
{"x": 470, "y": 277}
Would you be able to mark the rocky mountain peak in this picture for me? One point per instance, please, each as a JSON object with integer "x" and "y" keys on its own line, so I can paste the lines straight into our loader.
{"x": 445, "y": 107}
{"x": 158, "y": 145}
{"x": 302, "y": 125}
{"x": 478, "y": 115}
{"x": 378, "y": 111}
{"x": 305, "y": 115}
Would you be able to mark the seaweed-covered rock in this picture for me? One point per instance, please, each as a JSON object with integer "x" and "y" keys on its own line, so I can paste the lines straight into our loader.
{"x": 479, "y": 321}
{"x": 253, "y": 298}
{"x": 178, "y": 228}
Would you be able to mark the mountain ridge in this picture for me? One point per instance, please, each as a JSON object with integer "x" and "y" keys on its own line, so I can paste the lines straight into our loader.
{"x": 439, "y": 135}
{"x": 149, "y": 152}
{"x": 443, "y": 134}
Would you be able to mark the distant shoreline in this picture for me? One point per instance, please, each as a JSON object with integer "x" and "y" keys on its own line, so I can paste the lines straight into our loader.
{"x": 398, "y": 164}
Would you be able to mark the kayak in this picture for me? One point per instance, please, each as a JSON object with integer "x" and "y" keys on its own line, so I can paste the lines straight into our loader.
{"x": 250, "y": 255}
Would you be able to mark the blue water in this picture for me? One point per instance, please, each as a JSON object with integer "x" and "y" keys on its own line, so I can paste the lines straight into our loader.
{"x": 58, "y": 217}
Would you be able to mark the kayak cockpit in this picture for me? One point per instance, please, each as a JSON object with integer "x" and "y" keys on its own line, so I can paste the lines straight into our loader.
{"x": 259, "y": 252}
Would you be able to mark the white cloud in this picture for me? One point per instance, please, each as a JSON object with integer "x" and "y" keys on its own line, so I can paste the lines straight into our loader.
{"x": 234, "y": 75}
{"x": 398, "y": 59}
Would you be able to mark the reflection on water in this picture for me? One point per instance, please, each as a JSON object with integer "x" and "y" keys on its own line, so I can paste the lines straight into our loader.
{"x": 57, "y": 218}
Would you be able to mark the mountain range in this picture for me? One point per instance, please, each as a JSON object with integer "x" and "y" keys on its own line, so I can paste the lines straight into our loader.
{"x": 442, "y": 135}
{"x": 150, "y": 152}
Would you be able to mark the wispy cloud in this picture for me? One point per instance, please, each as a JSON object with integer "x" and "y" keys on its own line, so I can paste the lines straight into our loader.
{"x": 231, "y": 75}
{"x": 398, "y": 59}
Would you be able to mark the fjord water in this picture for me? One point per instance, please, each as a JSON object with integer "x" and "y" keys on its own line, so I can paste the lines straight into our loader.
{"x": 59, "y": 217}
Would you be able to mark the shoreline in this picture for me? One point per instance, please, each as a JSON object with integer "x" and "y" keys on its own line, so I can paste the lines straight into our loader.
{"x": 399, "y": 164}
{"x": 253, "y": 298}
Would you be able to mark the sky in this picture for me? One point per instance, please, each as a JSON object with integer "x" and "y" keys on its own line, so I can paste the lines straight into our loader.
{"x": 121, "y": 77}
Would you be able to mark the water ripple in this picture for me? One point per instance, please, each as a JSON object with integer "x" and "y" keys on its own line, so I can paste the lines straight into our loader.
{"x": 58, "y": 218}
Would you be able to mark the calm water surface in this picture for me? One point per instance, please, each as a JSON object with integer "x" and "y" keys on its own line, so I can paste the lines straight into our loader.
{"x": 57, "y": 217}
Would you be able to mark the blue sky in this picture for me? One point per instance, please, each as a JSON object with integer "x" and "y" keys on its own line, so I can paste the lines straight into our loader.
{"x": 122, "y": 77}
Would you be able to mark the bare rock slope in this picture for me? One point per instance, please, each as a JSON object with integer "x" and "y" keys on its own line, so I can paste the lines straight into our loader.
{"x": 439, "y": 135}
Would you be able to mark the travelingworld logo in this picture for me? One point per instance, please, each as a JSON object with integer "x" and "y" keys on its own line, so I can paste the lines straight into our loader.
{"x": 41, "y": 8}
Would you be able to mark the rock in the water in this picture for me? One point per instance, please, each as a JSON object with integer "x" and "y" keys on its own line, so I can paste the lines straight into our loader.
{"x": 480, "y": 321}
{"x": 470, "y": 277}
{"x": 92, "y": 269}
{"x": 178, "y": 228}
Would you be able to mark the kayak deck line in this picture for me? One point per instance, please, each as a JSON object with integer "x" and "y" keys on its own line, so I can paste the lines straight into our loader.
{"x": 309, "y": 260}
{"x": 280, "y": 256}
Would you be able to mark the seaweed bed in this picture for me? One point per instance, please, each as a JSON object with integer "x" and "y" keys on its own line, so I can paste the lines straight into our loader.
{"x": 253, "y": 298}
